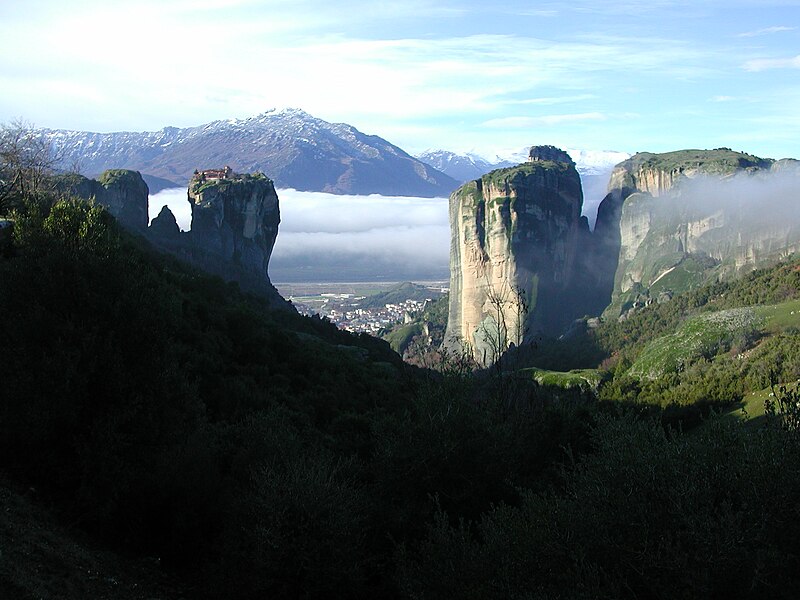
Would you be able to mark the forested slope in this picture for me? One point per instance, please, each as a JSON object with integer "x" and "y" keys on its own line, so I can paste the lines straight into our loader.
{"x": 250, "y": 454}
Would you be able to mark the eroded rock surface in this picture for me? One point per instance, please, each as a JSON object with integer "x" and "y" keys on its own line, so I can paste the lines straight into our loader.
{"x": 514, "y": 238}
{"x": 235, "y": 218}
{"x": 123, "y": 192}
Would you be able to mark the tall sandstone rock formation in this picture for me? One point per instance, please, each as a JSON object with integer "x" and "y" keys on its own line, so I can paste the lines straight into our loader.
{"x": 235, "y": 221}
{"x": 515, "y": 234}
{"x": 672, "y": 221}
{"x": 524, "y": 262}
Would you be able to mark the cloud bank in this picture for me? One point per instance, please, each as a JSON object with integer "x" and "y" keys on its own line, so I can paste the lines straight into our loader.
{"x": 765, "y": 64}
{"x": 339, "y": 238}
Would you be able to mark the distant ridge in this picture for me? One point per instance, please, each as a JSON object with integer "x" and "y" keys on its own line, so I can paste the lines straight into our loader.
{"x": 293, "y": 148}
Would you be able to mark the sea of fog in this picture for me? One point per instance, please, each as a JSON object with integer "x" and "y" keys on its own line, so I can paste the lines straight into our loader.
{"x": 327, "y": 237}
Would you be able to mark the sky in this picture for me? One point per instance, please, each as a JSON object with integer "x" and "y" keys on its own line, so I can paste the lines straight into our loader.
{"x": 486, "y": 77}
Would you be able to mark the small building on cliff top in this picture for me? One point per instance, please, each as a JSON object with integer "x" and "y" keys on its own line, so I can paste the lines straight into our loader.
{"x": 214, "y": 174}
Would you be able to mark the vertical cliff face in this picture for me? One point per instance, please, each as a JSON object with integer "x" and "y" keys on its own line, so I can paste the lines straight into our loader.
{"x": 235, "y": 219}
{"x": 514, "y": 239}
{"x": 124, "y": 193}
{"x": 678, "y": 218}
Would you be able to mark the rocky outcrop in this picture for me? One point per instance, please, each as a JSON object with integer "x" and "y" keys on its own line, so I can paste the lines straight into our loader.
{"x": 549, "y": 153}
{"x": 234, "y": 219}
{"x": 524, "y": 262}
{"x": 674, "y": 220}
{"x": 165, "y": 226}
{"x": 124, "y": 193}
{"x": 657, "y": 174}
{"x": 514, "y": 240}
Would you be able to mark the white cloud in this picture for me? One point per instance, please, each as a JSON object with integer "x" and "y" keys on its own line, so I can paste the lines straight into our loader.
{"x": 764, "y": 64}
{"x": 549, "y": 101}
{"x": 766, "y": 31}
{"x": 722, "y": 98}
{"x": 369, "y": 236}
{"x": 236, "y": 58}
{"x": 318, "y": 212}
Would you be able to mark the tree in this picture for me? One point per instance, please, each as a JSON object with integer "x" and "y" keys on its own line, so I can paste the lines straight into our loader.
{"x": 26, "y": 163}
{"x": 505, "y": 324}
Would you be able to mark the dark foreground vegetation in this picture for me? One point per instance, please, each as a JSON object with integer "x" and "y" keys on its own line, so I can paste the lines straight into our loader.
{"x": 253, "y": 453}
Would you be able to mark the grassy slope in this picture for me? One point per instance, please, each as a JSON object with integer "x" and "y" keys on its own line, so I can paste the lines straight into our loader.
{"x": 703, "y": 335}
{"x": 697, "y": 337}
{"x": 400, "y": 337}
{"x": 398, "y": 294}
{"x": 582, "y": 378}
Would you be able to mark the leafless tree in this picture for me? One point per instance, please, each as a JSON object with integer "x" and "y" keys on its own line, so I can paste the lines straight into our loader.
{"x": 505, "y": 324}
{"x": 26, "y": 162}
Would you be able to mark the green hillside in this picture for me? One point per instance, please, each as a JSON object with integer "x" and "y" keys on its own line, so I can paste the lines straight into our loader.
{"x": 707, "y": 349}
{"x": 418, "y": 341}
{"x": 589, "y": 379}
{"x": 255, "y": 452}
{"x": 698, "y": 337}
{"x": 400, "y": 293}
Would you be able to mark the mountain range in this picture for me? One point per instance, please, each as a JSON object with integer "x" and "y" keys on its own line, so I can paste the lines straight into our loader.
{"x": 295, "y": 149}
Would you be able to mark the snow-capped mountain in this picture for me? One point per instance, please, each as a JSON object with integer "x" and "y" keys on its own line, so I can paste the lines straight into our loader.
{"x": 290, "y": 146}
{"x": 462, "y": 167}
{"x": 596, "y": 162}
{"x": 467, "y": 166}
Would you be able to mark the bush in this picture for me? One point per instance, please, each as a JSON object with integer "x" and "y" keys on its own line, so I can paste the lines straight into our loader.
{"x": 650, "y": 514}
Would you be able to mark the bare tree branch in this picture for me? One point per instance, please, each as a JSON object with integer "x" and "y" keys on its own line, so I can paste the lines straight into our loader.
{"x": 26, "y": 164}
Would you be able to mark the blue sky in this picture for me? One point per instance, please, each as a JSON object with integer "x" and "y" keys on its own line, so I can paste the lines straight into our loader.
{"x": 630, "y": 75}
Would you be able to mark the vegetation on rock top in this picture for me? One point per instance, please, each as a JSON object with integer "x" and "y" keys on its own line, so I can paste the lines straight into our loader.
{"x": 718, "y": 161}
{"x": 119, "y": 176}
{"x": 198, "y": 186}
